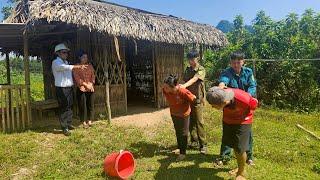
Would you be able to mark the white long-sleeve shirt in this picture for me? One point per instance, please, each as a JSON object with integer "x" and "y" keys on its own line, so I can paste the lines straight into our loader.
{"x": 62, "y": 73}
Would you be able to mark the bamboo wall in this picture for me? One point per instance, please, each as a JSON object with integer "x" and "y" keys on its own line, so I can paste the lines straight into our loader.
{"x": 13, "y": 108}
{"x": 158, "y": 60}
{"x": 168, "y": 60}
{"x": 108, "y": 68}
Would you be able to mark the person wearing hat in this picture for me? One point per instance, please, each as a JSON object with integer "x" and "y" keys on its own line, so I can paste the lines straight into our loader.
{"x": 194, "y": 81}
{"x": 85, "y": 80}
{"x": 238, "y": 108}
{"x": 240, "y": 77}
{"x": 63, "y": 81}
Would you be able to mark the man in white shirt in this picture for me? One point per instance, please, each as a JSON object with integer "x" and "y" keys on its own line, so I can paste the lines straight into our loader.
{"x": 63, "y": 82}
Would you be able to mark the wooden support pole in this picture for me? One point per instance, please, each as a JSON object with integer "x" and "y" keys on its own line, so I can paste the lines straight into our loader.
{"x": 27, "y": 76}
{"x": 155, "y": 90}
{"x": 8, "y": 68}
{"x": 8, "y": 75}
{"x": 108, "y": 108}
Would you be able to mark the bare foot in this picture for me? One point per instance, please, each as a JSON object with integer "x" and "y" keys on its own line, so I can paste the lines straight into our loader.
{"x": 85, "y": 125}
{"x": 176, "y": 151}
{"x": 240, "y": 177}
{"x": 89, "y": 123}
{"x": 233, "y": 172}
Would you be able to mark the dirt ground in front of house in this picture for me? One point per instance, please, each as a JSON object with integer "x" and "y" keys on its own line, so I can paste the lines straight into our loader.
{"x": 140, "y": 116}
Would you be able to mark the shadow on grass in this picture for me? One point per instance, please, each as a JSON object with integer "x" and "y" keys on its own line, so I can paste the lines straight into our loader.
{"x": 51, "y": 125}
{"x": 167, "y": 169}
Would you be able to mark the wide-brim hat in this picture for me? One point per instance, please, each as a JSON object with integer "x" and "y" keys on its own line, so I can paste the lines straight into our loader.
{"x": 60, "y": 47}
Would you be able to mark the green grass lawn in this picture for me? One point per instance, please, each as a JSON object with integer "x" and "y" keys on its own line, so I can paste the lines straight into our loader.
{"x": 282, "y": 151}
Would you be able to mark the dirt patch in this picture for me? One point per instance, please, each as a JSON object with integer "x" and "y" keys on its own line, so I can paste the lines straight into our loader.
{"x": 142, "y": 117}
{"x": 24, "y": 173}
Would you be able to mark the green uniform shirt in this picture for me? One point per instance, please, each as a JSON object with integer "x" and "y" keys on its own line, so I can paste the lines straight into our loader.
{"x": 197, "y": 88}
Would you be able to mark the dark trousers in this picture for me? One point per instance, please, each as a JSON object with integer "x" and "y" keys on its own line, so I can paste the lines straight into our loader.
{"x": 181, "y": 126}
{"x": 225, "y": 151}
{"x": 65, "y": 101}
{"x": 85, "y": 104}
{"x": 197, "y": 125}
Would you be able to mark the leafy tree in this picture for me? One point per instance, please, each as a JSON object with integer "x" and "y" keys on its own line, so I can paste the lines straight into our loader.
{"x": 6, "y": 10}
{"x": 284, "y": 84}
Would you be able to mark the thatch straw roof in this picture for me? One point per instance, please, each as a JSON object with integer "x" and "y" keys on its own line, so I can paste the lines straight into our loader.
{"x": 118, "y": 20}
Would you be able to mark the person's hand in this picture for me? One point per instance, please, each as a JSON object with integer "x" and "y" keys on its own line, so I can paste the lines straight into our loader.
{"x": 82, "y": 88}
{"x": 222, "y": 85}
{"x": 89, "y": 86}
{"x": 84, "y": 66}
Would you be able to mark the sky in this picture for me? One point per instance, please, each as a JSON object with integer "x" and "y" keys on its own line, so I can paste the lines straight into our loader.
{"x": 212, "y": 11}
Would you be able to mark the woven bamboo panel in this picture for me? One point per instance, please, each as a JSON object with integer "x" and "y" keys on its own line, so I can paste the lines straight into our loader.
{"x": 168, "y": 60}
{"x": 108, "y": 67}
{"x": 13, "y": 109}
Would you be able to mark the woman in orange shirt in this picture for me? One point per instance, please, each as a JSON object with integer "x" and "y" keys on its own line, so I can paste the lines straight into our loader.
{"x": 85, "y": 80}
{"x": 179, "y": 100}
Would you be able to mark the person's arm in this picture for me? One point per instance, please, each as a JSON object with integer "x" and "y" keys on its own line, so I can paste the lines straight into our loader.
{"x": 190, "y": 82}
{"x": 189, "y": 96}
{"x": 224, "y": 80}
{"x": 77, "y": 78}
{"x": 252, "y": 90}
{"x": 59, "y": 66}
{"x": 253, "y": 103}
{"x": 200, "y": 75}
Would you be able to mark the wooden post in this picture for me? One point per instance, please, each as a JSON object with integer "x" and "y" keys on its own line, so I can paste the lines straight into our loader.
{"x": 123, "y": 53}
{"x": 8, "y": 109}
{"x": 27, "y": 76}
{"x": 8, "y": 76}
{"x": 2, "y": 108}
{"x": 108, "y": 107}
{"x": 158, "y": 72}
{"x": 154, "y": 76}
{"x": 8, "y": 68}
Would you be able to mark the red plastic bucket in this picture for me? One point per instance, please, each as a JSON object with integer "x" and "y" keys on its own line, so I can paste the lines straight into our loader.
{"x": 121, "y": 165}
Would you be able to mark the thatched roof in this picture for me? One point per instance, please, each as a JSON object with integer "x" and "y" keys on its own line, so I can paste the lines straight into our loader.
{"x": 118, "y": 20}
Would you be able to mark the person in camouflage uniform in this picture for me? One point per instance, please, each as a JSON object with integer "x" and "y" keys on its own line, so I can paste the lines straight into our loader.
{"x": 194, "y": 81}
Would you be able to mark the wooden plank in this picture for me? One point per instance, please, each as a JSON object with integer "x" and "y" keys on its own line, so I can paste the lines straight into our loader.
{"x": 157, "y": 60}
{"x": 8, "y": 68}
{"x": 12, "y": 109}
{"x": 108, "y": 109}
{"x": 2, "y": 97}
{"x": 125, "y": 87}
{"x": 8, "y": 110}
{"x": 27, "y": 76}
{"x": 18, "y": 105}
{"x": 23, "y": 108}
{"x": 154, "y": 75}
